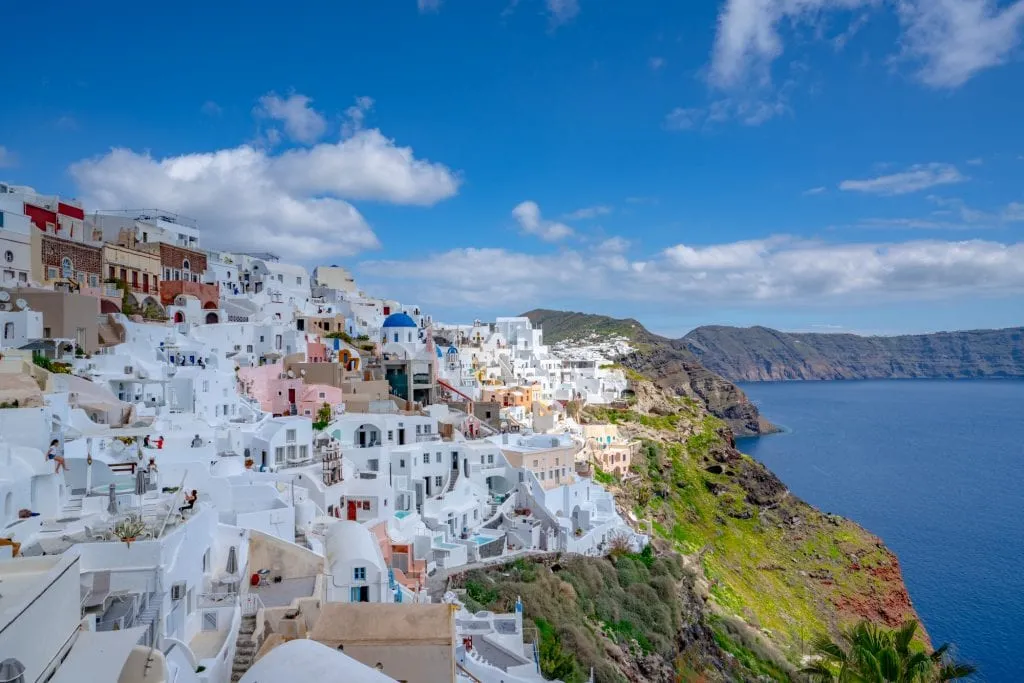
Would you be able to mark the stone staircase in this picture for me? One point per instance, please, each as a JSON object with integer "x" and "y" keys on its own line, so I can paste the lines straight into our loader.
{"x": 454, "y": 478}
{"x": 245, "y": 648}
{"x": 300, "y": 538}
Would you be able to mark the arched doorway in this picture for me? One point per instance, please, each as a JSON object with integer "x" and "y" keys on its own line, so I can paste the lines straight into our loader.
{"x": 107, "y": 306}
{"x": 210, "y": 304}
{"x": 179, "y": 317}
{"x": 211, "y": 318}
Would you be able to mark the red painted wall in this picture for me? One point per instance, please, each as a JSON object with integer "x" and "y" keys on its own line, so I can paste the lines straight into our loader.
{"x": 72, "y": 211}
{"x": 40, "y": 216}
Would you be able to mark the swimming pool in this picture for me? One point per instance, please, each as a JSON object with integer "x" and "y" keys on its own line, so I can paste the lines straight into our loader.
{"x": 402, "y": 514}
{"x": 480, "y": 539}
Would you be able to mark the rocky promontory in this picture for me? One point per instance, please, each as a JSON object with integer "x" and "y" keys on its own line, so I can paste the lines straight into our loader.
{"x": 668, "y": 363}
{"x": 756, "y": 354}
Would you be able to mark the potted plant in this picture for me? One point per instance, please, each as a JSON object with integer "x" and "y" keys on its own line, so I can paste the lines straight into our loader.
{"x": 248, "y": 463}
{"x": 129, "y": 529}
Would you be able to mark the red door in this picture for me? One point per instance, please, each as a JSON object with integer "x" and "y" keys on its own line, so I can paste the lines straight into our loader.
{"x": 291, "y": 396}
{"x": 352, "y": 511}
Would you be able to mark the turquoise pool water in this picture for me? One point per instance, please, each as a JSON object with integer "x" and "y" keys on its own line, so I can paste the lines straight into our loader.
{"x": 402, "y": 514}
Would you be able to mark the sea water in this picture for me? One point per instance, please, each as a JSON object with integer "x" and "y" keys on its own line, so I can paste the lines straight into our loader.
{"x": 934, "y": 467}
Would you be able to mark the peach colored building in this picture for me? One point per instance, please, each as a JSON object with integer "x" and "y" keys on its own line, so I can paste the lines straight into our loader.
{"x": 512, "y": 397}
{"x": 606, "y": 448}
{"x": 282, "y": 395}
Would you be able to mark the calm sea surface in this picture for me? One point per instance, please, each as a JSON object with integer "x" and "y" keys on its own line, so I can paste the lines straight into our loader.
{"x": 934, "y": 467}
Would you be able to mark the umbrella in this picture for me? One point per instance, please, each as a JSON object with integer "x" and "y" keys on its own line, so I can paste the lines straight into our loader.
{"x": 112, "y": 505}
{"x": 12, "y": 671}
{"x": 232, "y": 567}
{"x": 140, "y": 481}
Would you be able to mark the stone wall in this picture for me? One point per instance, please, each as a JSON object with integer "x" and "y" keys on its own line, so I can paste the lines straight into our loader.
{"x": 84, "y": 258}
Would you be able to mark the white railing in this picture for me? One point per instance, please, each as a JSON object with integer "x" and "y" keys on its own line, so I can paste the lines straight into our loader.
{"x": 251, "y": 604}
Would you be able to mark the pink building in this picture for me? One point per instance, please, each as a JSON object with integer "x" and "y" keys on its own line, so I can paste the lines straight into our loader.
{"x": 282, "y": 395}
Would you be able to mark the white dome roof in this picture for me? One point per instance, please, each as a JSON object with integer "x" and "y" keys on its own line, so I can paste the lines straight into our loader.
{"x": 309, "y": 660}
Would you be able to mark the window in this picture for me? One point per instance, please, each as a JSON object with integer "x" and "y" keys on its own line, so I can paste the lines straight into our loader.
{"x": 481, "y": 460}
{"x": 401, "y": 463}
{"x": 418, "y": 429}
{"x": 322, "y": 394}
{"x": 291, "y": 452}
{"x": 206, "y": 385}
{"x": 426, "y": 458}
{"x": 290, "y": 435}
{"x": 359, "y": 574}
{"x": 490, "y": 459}
{"x": 476, "y": 514}
{"x": 206, "y": 560}
{"x": 437, "y": 458}
{"x": 278, "y": 455}
{"x": 438, "y": 481}
{"x": 9, "y": 256}
{"x": 298, "y": 280}
{"x": 426, "y": 429}
{"x": 185, "y": 265}
{"x": 303, "y": 452}
{"x": 210, "y": 620}
{"x": 67, "y": 267}
{"x": 51, "y": 273}
{"x": 542, "y": 476}
{"x": 535, "y": 463}
{"x": 248, "y": 348}
{"x": 391, "y": 435}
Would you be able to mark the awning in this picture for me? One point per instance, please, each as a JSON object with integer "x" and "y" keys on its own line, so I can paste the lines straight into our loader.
{"x": 101, "y": 654}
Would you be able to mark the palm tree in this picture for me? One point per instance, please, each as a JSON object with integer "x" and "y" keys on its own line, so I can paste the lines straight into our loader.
{"x": 867, "y": 653}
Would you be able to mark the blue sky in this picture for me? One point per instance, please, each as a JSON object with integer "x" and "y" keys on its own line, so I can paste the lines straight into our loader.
{"x": 804, "y": 164}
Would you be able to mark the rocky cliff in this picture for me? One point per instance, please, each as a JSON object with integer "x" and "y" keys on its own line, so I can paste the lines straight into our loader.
{"x": 668, "y": 363}
{"x": 753, "y": 354}
{"x": 742, "y": 577}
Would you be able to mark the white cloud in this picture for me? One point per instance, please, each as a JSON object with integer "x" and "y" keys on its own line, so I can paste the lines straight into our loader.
{"x": 355, "y": 116}
{"x": 1014, "y": 212}
{"x": 236, "y": 197}
{"x": 951, "y": 40}
{"x": 588, "y": 212}
{"x": 750, "y": 111}
{"x": 916, "y": 178}
{"x": 301, "y": 122}
{"x": 614, "y": 245}
{"x": 955, "y": 39}
{"x": 426, "y": 6}
{"x": 777, "y": 270}
{"x": 211, "y": 108}
{"x": 656, "y": 63}
{"x": 527, "y": 214}
{"x": 815, "y": 190}
{"x": 562, "y": 11}
{"x": 366, "y": 166}
{"x": 682, "y": 118}
{"x": 7, "y": 158}
{"x": 976, "y": 162}
{"x": 293, "y": 204}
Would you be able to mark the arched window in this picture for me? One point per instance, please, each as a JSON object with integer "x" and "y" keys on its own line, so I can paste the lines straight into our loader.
{"x": 67, "y": 267}
{"x": 185, "y": 265}
{"x": 9, "y": 256}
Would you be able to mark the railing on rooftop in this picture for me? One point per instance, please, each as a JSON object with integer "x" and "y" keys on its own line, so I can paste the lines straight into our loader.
{"x": 153, "y": 214}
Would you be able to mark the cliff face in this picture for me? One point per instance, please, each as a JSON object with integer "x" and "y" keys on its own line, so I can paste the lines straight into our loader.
{"x": 743, "y": 576}
{"x": 668, "y": 363}
{"x": 756, "y": 354}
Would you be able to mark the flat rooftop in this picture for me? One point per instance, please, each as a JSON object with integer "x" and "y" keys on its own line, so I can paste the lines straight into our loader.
{"x": 23, "y": 577}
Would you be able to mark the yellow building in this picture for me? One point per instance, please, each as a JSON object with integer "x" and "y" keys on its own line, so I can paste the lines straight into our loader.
{"x": 140, "y": 270}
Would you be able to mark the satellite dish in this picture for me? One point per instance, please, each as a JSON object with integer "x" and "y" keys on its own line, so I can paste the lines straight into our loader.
{"x": 4, "y": 296}
{"x": 21, "y": 303}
